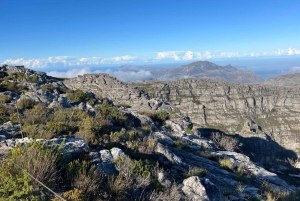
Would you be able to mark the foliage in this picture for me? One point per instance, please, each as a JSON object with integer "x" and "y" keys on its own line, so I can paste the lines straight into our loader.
{"x": 78, "y": 96}
{"x": 188, "y": 131}
{"x": 15, "y": 187}
{"x": 226, "y": 163}
{"x": 12, "y": 86}
{"x": 84, "y": 177}
{"x": 225, "y": 142}
{"x": 25, "y": 103}
{"x": 32, "y": 79}
{"x": 132, "y": 179}
{"x": 5, "y": 113}
{"x": 38, "y": 159}
{"x": 48, "y": 87}
{"x": 196, "y": 171}
{"x": 108, "y": 111}
{"x": 4, "y": 99}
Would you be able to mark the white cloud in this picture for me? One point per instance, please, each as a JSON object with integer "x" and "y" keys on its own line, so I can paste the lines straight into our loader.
{"x": 68, "y": 61}
{"x": 294, "y": 69}
{"x": 125, "y": 76}
{"x": 188, "y": 55}
{"x": 70, "y": 73}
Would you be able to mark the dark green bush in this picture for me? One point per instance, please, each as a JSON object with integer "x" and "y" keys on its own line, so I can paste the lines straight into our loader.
{"x": 78, "y": 95}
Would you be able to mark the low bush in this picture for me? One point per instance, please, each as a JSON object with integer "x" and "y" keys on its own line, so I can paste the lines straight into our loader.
{"x": 226, "y": 164}
{"x": 78, "y": 96}
{"x": 48, "y": 87}
{"x": 84, "y": 177}
{"x": 41, "y": 161}
{"x": 25, "y": 103}
{"x": 4, "y": 99}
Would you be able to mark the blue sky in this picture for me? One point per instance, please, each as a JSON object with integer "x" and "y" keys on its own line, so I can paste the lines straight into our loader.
{"x": 56, "y": 33}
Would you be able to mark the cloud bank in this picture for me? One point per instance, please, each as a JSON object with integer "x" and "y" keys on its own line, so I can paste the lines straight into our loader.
{"x": 165, "y": 56}
{"x": 126, "y": 76}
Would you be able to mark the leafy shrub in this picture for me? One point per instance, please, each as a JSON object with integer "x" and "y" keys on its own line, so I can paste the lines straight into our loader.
{"x": 25, "y": 103}
{"x": 188, "y": 131}
{"x": 5, "y": 113}
{"x": 74, "y": 195}
{"x": 132, "y": 179}
{"x": 196, "y": 171}
{"x": 161, "y": 116}
{"x": 32, "y": 79}
{"x": 38, "y": 159}
{"x": 85, "y": 177}
{"x": 48, "y": 87}
{"x": 78, "y": 95}
{"x": 17, "y": 76}
{"x": 226, "y": 164}
{"x": 4, "y": 99}
{"x": 12, "y": 86}
{"x": 109, "y": 111}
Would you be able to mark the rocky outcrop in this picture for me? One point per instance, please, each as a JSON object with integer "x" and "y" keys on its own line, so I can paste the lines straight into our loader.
{"x": 201, "y": 189}
{"x": 289, "y": 80}
{"x": 250, "y": 110}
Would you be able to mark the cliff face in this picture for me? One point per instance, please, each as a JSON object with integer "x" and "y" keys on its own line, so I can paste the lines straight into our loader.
{"x": 248, "y": 110}
{"x": 261, "y": 111}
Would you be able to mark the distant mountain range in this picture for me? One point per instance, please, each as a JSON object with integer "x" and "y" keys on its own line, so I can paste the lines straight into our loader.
{"x": 201, "y": 69}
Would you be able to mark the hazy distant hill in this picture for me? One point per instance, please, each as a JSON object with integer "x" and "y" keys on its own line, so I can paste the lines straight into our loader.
{"x": 290, "y": 80}
{"x": 205, "y": 69}
{"x": 200, "y": 69}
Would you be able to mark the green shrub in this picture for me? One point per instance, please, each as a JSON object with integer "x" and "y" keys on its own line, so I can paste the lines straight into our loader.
{"x": 17, "y": 76}
{"x": 25, "y": 103}
{"x": 226, "y": 164}
{"x": 32, "y": 79}
{"x": 78, "y": 95}
{"x": 161, "y": 115}
{"x": 48, "y": 87}
{"x": 196, "y": 171}
{"x": 4, "y": 99}
{"x": 41, "y": 161}
{"x": 188, "y": 131}
{"x": 85, "y": 177}
{"x": 109, "y": 111}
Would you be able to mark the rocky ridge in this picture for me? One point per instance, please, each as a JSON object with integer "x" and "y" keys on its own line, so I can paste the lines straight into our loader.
{"x": 289, "y": 80}
{"x": 184, "y": 156}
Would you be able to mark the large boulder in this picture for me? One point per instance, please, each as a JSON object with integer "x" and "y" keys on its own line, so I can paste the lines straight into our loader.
{"x": 39, "y": 96}
{"x": 107, "y": 162}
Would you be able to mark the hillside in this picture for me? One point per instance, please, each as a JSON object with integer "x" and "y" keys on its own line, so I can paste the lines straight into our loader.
{"x": 289, "y": 80}
{"x": 205, "y": 69}
{"x": 97, "y": 138}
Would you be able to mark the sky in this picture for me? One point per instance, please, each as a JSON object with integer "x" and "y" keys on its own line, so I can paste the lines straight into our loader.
{"x": 56, "y": 34}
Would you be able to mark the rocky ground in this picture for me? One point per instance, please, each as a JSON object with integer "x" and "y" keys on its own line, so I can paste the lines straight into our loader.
{"x": 144, "y": 145}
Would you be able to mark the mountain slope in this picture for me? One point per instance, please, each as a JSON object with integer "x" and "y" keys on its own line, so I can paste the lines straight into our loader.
{"x": 290, "y": 80}
{"x": 205, "y": 69}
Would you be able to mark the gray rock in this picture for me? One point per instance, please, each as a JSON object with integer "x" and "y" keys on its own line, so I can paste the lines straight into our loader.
{"x": 8, "y": 129}
{"x": 39, "y": 96}
{"x": 194, "y": 190}
{"x": 116, "y": 153}
{"x": 107, "y": 162}
{"x": 177, "y": 130}
{"x": 239, "y": 160}
{"x": 163, "y": 179}
{"x": 162, "y": 138}
{"x": 60, "y": 102}
{"x": 173, "y": 158}
{"x": 12, "y": 95}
